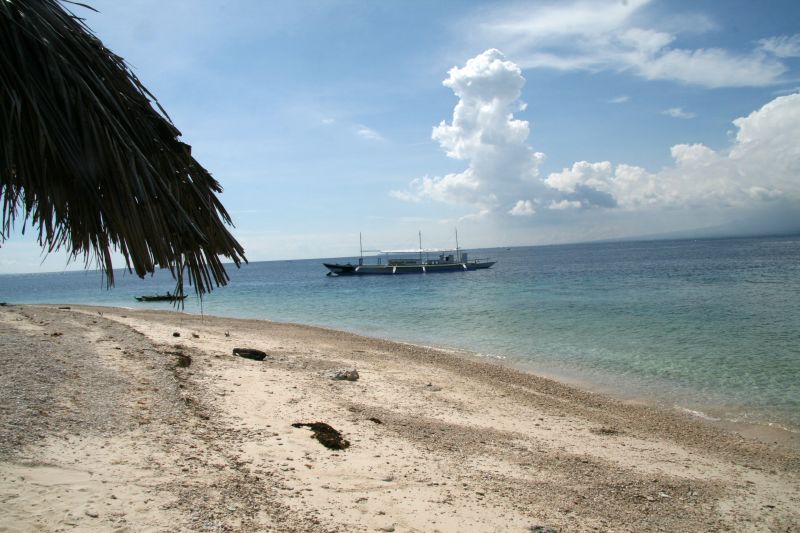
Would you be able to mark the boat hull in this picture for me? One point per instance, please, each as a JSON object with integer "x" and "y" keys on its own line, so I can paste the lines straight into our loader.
{"x": 392, "y": 270}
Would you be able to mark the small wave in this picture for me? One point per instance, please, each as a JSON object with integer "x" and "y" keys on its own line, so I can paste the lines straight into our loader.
{"x": 772, "y": 425}
{"x": 454, "y": 351}
{"x": 740, "y": 420}
{"x": 490, "y": 356}
{"x": 429, "y": 347}
{"x": 698, "y": 414}
{"x": 782, "y": 427}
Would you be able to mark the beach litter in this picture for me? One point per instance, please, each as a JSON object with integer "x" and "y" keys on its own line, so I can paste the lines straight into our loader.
{"x": 325, "y": 434}
{"x": 250, "y": 353}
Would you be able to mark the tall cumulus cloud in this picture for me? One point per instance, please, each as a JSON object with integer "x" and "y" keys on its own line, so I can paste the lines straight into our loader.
{"x": 484, "y": 133}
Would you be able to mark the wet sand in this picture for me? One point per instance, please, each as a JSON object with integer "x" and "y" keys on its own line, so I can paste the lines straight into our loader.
{"x": 109, "y": 422}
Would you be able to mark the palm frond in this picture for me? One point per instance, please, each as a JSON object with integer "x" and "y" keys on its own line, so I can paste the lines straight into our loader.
{"x": 94, "y": 167}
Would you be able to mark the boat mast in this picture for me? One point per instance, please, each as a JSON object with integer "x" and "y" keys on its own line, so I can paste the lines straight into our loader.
{"x": 458, "y": 252}
{"x": 420, "y": 247}
{"x": 360, "y": 251}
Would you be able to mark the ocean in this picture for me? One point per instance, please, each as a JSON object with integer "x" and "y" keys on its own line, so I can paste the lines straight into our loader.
{"x": 711, "y": 326}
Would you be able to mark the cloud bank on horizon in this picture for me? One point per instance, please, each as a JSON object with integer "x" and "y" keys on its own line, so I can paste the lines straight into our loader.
{"x": 760, "y": 166}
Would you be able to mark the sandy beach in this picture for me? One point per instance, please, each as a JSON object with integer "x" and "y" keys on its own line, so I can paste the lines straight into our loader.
{"x": 120, "y": 420}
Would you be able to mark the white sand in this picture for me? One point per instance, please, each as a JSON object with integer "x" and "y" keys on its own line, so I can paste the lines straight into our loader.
{"x": 104, "y": 431}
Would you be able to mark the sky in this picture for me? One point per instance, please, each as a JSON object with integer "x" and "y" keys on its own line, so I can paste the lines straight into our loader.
{"x": 519, "y": 123}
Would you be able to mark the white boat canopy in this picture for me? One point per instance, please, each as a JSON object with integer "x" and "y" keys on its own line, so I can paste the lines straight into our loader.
{"x": 415, "y": 251}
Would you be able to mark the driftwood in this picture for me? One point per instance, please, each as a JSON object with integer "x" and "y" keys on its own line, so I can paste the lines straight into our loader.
{"x": 325, "y": 434}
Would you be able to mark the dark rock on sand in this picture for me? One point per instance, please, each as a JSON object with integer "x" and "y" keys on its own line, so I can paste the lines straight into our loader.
{"x": 345, "y": 375}
{"x": 183, "y": 360}
{"x": 325, "y": 434}
{"x": 605, "y": 431}
{"x": 250, "y": 353}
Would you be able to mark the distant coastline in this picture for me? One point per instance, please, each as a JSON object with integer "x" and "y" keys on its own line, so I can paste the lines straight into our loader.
{"x": 72, "y": 266}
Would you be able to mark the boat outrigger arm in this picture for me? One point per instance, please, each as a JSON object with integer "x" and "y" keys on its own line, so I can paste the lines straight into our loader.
{"x": 443, "y": 260}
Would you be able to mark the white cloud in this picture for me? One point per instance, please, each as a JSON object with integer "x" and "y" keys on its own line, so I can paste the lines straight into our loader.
{"x": 523, "y": 208}
{"x": 677, "y": 112}
{"x": 483, "y": 132}
{"x": 782, "y": 46}
{"x": 368, "y": 134}
{"x": 538, "y": 23}
{"x": 479, "y": 215}
{"x": 712, "y": 67}
{"x": 463, "y": 188}
{"x": 762, "y": 165}
{"x": 581, "y": 174}
{"x": 564, "y": 204}
{"x": 405, "y": 196}
{"x": 620, "y": 99}
{"x": 587, "y": 35}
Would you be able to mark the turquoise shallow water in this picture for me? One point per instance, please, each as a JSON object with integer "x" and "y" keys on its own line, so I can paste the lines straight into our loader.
{"x": 707, "y": 325}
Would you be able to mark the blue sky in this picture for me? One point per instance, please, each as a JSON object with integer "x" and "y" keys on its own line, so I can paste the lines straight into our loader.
{"x": 519, "y": 123}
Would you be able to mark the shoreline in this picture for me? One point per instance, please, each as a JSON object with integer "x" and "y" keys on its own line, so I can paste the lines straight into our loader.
{"x": 768, "y": 431}
{"x": 173, "y": 431}
{"x": 764, "y": 431}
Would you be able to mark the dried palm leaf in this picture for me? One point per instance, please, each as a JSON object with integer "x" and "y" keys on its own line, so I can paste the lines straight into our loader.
{"x": 93, "y": 166}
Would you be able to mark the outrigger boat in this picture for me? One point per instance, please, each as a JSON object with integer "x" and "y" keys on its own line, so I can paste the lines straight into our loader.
{"x": 160, "y": 298}
{"x": 443, "y": 260}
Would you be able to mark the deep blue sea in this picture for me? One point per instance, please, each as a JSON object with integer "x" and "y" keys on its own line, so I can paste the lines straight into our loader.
{"x": 710, "y": 325}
